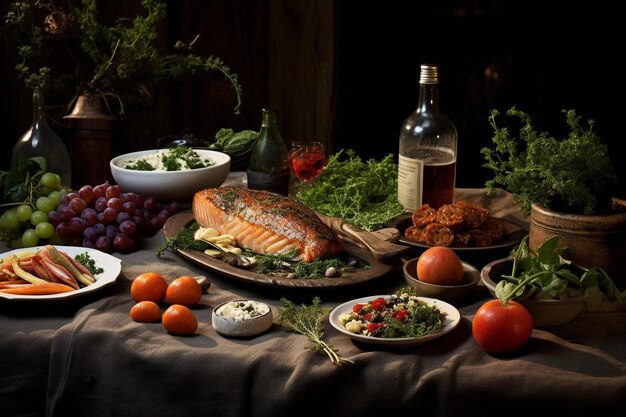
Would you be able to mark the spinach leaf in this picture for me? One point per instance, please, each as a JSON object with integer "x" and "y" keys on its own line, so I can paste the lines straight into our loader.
{"x": 545, "y": 270}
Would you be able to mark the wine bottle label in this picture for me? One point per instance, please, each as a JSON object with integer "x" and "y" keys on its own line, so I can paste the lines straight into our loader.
{"x": 277, "y": 181}
{"x": 410, "y": 182}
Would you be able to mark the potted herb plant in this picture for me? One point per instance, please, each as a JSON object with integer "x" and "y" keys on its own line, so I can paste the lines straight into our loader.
{"x": 121, "y": 62}
{"x": 112, "y": 69}
{"x": 565, "y": 186}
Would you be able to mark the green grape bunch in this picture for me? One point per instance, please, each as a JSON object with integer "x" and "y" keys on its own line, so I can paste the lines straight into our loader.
{"x": 29, "y": 192}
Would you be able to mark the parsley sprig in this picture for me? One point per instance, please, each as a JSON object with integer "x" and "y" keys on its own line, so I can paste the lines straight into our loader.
{"x": 89, "y": 263}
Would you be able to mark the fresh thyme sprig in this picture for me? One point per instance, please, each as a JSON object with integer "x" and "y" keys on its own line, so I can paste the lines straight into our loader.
{"x": 307, "y": 320}
{"x": 363, "y": 193}
{"x": 571, "y": 174}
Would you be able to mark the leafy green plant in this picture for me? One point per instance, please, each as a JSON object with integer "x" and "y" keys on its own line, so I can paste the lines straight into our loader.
{"x": 120, "y": 61}
{"x": 545, "y": 271}
{"x": 22, "y": 184}
{"x": 363, "y": 193}
{"x": 231, "y": 142}
{"x": 573, "y": 174}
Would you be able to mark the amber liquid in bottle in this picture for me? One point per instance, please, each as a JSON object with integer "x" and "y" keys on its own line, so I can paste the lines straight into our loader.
{"x": 427, "y": 153}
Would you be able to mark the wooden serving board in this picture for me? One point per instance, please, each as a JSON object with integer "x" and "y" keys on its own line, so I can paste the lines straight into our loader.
{"x": 375, "y": 268}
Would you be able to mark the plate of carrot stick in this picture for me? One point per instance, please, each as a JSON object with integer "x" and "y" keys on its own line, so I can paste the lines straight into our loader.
{"x": 55, "y": 272}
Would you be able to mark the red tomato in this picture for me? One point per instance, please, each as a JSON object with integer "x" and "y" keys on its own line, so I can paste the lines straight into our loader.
{"x": 357, "y": 307}
{"x": 374, "y": 326}
{"x": 399, "y": 315}
{"x": 499, "y": 328}
{"x": 378, "y": 304}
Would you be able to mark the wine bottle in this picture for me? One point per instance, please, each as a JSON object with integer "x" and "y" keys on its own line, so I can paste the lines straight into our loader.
{"x": 41, "y": 140}
{"x": 428, "y": 150}
{"x": 269, "y": 165}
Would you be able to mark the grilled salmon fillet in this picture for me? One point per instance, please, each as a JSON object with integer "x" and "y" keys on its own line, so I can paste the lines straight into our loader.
{"x": 265, "y": 222}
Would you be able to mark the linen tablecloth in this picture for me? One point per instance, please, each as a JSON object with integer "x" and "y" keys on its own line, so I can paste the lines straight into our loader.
{"x": 85, "y": 356}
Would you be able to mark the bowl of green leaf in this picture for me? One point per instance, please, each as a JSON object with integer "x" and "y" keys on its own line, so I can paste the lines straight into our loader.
{"x": 237, "y": 145}
{"x": 545, "y": 309}
{"x": 554, "y": 290}
{"x": 173, "y": 174}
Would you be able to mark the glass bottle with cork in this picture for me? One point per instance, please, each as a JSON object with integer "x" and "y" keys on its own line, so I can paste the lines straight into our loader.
{"x": 428, "y": 149}
{"x": 41, "y": 140}
{"x": 269, "y": 165}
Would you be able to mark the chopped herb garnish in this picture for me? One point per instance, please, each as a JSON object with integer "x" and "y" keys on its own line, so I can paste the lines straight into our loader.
{"x": 139, "y": 165}
{"x": 285, "y": 265}
{"x": 89, "y": 263}
{"x": 179, "y": 155}
{"x": 184, "y": 239}
{"x": 175, "y": 159}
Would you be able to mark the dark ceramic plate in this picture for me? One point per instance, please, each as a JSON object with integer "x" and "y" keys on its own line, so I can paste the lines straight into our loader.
{"x": 513, "y": 234}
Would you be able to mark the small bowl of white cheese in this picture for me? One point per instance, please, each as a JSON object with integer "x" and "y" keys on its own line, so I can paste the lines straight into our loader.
{"x": 173, "y": 174}
{"x": 242, "y": 318}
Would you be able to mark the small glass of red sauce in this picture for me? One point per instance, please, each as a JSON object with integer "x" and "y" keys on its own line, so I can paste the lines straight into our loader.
{"x": 307, "y": 159}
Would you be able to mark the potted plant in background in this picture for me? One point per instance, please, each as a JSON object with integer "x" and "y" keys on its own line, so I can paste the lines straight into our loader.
{"x": 565, "y": 186}
{"x": 112, "y": 69}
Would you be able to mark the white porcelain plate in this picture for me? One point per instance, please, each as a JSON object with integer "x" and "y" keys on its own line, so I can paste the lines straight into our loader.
{"x": 112, "y": 267}
{"x": 453, "y": 318}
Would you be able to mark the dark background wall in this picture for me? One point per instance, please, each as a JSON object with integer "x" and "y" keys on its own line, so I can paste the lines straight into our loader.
{"x": 346, "y": 72}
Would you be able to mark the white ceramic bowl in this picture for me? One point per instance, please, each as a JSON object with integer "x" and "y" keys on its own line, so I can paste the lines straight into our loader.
{"x": 170, "y": 185}
{"x": 241, "y": 327}
{"x": 471, "y": 276}
{"x": 545, "y": 312}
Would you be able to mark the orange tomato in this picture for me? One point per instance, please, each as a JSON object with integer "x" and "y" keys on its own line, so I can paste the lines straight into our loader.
{"x": 146, "y": 312}
{"x": 439, "y": 265}
{"x": 149, "y": 286}
{"x": 179, "y": 320}
{"x": 184, "y": 290}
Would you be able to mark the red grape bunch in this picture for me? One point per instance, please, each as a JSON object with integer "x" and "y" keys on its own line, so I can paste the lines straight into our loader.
{"x": 106, "y": 218}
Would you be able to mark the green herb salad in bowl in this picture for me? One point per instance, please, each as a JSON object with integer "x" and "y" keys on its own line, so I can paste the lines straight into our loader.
{"x": 399, "y": 319}
{"x": 174, "y": 174}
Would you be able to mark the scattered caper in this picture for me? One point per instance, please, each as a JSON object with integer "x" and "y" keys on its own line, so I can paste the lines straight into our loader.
{"x": 331, "y": 272}
{"x": 230, "y": 260}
